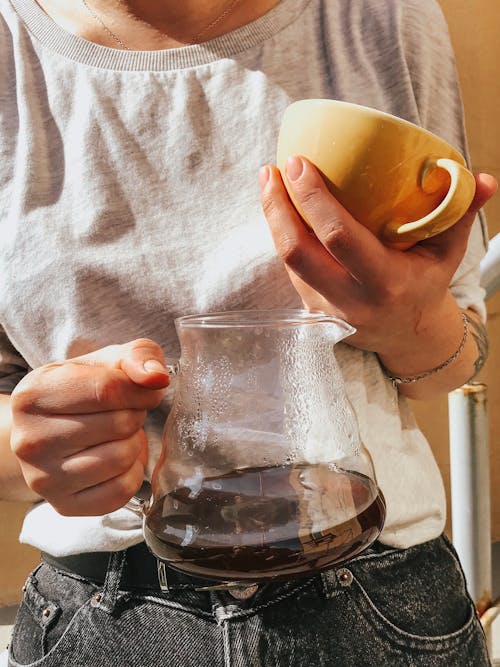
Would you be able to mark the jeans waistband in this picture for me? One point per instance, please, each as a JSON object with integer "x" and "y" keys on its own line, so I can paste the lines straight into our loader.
{"x": 141, "y": 570}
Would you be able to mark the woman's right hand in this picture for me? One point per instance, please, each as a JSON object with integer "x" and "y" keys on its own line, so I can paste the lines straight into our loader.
{"x": 77, "y": 426}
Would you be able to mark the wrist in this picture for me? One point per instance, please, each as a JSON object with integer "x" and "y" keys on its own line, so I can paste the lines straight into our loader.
{"x": 438, "y": 337}
{"x": 398, "y": 380}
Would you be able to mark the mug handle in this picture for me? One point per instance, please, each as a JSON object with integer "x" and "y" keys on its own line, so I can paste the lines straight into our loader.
{"x": 455, "y": 204}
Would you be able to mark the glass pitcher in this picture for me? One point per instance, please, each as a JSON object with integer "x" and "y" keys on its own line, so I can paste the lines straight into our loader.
{"x": 262, "y": 473}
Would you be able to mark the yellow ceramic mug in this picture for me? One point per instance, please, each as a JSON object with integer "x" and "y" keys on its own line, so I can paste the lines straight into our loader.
{"x": 399, "y": 180}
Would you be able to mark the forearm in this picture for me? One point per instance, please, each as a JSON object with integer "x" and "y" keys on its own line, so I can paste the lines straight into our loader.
{"x": 437, "y": 339}
{"x": 12, "y": 483}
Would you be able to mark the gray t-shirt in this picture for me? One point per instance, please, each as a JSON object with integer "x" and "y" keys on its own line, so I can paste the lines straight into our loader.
{"x": 129, "y": 196}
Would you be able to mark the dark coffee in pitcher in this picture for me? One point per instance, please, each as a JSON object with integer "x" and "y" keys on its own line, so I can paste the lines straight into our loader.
{"x": 257, "y": 524}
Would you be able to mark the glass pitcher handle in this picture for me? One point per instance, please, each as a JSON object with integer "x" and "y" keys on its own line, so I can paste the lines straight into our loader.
{"x": 173, "y": 367}
{"x": 139, "y": 503}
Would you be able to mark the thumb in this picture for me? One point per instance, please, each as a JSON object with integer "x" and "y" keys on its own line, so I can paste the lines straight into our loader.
{"x": 141, "y": 360}
{"x": 144, "y": 363}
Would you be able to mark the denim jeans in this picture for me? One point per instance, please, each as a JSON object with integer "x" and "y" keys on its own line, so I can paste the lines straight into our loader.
{"x": 385, "y": 607}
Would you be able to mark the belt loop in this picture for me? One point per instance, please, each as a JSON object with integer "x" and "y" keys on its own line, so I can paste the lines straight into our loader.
{"x": 108, "y": 598}
{"x": 162, "y": 576}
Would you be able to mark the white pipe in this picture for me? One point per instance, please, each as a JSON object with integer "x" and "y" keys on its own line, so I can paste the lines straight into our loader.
{"x": 470, "y": 488}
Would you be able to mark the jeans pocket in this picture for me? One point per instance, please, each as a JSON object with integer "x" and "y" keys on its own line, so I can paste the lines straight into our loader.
{"x": 50, "y": 603}
{"x": 416, "y": 598}
{"x": 385, "y": 620}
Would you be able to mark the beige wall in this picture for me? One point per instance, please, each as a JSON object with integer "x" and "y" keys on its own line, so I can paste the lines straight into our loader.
{"x": 474, "y": 28}
{"x": 15, "y": 560}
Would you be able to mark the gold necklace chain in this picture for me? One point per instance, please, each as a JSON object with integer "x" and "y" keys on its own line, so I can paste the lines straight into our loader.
{"x": 103, "y": 25}
{"x": 215, "y": 22}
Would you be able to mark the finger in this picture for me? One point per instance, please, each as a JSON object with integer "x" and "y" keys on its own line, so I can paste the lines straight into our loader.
{"x": 98, "y": 464}
{"x": 89, "y": 468}
{"x": 104, "y": 498}
{"x": 356, "y": 248}
{"x": 63, "y": 435}
{"x": 74, "y": 388}
{"x": 300, "y": 250}
{"x": 142, "y": 360}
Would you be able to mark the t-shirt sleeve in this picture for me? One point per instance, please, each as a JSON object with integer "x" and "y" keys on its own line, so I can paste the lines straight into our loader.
{"x": 431, "y": 65}
{"x": 12, "y": 365}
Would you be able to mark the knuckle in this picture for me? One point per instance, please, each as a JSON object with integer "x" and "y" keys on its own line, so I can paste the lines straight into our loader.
{"x": 41, "y": 482}
{"x": 389, "y": 294}
{"x": 146, "y": 345}
{"x": 23, "y": 397}
{"x": 269, "y": 207}
{"x": 18, "y": 442}
{"x": 25, "y": 447}
{"x": 29, "y": 393}
{"x": 338, "y": 237}
{"x": 309, "y": 198}
{"x": 290, "y": 252}
{"x": 393, "y": 288}
{"x": 107, "y": 388}
{"x": 127, "y": 422}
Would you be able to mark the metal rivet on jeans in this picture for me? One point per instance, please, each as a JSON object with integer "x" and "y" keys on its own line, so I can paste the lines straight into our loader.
{"x": 244, "y": 593}
{"x": 46, "y": 612}
{"x": 96, "y": 599}
{"x": 344, "y": 576}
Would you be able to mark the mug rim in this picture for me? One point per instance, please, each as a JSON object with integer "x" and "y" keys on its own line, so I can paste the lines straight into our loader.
{"x": 325, "y": 101}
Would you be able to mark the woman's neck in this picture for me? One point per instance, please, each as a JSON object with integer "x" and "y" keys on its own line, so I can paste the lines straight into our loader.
{"x": 153, "y": 24}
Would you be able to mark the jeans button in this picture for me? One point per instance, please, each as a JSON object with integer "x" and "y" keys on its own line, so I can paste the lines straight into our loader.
{"x": 244, "y": 593}
{"x": 95, "y": 600}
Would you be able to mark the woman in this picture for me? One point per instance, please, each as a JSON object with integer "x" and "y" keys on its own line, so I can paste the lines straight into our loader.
{"x": 131, "y": 138}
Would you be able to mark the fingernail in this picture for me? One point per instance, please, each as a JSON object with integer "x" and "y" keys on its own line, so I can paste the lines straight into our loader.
{"x": 294, "y": 168}
{"x": 155, "y": 366}
{"x": 264, "y": 175}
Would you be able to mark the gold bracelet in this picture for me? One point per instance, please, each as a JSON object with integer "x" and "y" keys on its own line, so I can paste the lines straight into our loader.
{"x": 396, "y": 380}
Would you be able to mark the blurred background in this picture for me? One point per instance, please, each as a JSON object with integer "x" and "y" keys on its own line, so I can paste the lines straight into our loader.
{"x": 474, "y": 27}
{"x": 475, "y": 30}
